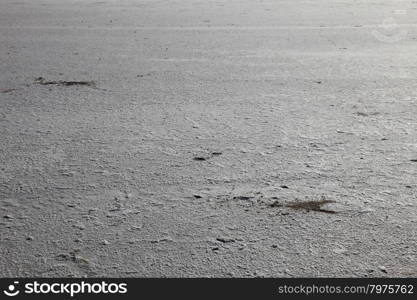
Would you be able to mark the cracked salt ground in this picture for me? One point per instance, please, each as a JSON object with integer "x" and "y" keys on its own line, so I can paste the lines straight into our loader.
{"x": 206, "y": 149}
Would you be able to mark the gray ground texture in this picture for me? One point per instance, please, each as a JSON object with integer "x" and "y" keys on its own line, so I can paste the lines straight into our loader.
{"x": 208, "y": 138}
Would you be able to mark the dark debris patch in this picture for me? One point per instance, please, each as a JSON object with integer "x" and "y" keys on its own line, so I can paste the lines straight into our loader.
{"x": 43, "y": 81}
{"x": 204, "y": 158}
{"x": 312, "y": 206}
{"x": 225, "y": 240}
{"x": 7, "y": 91}
{"x": 244, "y": 198}
{"x": 364, "y": 114}
{"x": 275, "y": 204}
{"x": 143, "y": 75}
{"x": 200, "y": 158}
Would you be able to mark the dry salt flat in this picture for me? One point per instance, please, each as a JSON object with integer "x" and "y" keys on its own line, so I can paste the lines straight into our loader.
{"x": 208, "y": 138}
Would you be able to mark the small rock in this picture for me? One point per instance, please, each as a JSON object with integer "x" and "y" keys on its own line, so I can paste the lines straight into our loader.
{"x": 63, "y": 256}
{"x": 79, "y": 226}
{"x": 362, "y": 114}
{"x": 383, "y": 269}
{"x": 284, "y": 186}
{"x": 339, "y": 250}
{"x": 29, "y": 238}
{"x": 8, "y": 217}
{"x": 68, "y": 174}
{"x": 105, "y": 242}
{"x": 367, "y": 210}
{"x": 197, "y": 196}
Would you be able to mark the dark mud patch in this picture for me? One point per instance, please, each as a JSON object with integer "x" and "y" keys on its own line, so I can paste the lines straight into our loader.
{"x": 200, "y": 158}
{"x": 43, "y": 81}
{"x": 225, "y": 240}
{"x": 143, "y": 75}
{"x": 364, "y": 114}
{"x": 207, "y": 157}
{"x": 244, "y": 198}
{"x": 7, "y": 91}
{"x": 312, "y": 206}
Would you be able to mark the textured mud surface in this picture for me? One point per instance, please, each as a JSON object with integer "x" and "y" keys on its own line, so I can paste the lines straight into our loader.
{"x": 208, "y": 138}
